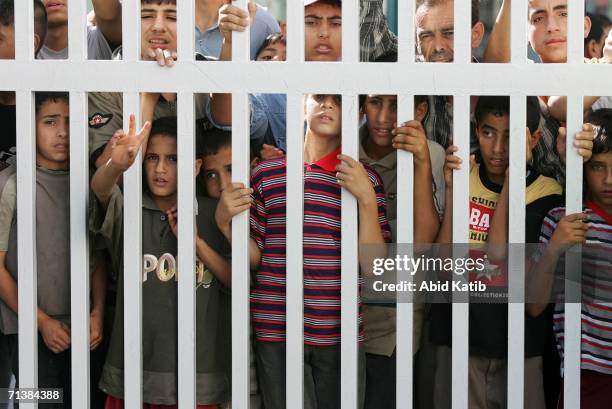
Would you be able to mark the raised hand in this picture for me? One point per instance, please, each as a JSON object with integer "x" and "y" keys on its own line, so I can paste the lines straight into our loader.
{"x": 410, "y": 137}
{"x": 232, "y": 18}
{"x": 352, "y": 176}
{"x": 235, "y": 199}
{"x": 126, "y": 146}
{"x": 571, "y": 230}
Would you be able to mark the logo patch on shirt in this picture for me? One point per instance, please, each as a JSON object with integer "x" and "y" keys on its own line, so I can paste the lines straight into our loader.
{"x": 98, "y": 120}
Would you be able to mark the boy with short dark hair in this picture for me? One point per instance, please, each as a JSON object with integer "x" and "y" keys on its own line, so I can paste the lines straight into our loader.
{"x": 489, "y": 202}
{"x": 592, "y": 227}
{"x": 213, "y": 273}
{"x": 325, "y": 173}
{"x": 52, "y": 250}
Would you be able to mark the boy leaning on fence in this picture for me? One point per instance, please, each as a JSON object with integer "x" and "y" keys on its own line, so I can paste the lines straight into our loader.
{"x": 160, "y": 274}
{"x": 326, "y": 171}
{"x": 489, "y": 203}
{"x": 379, "y": 139}
{"x": 52, "y": 251}
{"x": 592, "y": 228}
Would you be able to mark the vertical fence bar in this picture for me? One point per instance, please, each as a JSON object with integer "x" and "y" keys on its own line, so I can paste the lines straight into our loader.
{"x": 187, "y": 367}
{"x": 295, "y": 256}
{"x": 406, "y": 40}
{"x": 518, "y": 47}
{"x": 26, "y": 244}
{"x": 240, "y": 232}
{"x": 516, "y": 253}
{"x": 295, "y": 216}
{"x": 461, "y": 188}
{"x": 79, "y": 249}
{"x": 26, "y": 203}
{"x": 132, "y": 219}
{"x": 573, "y": 265}
{"x": 186, "y": 253}
{"x": 461, "y": 124}
{"x": 350, "y": 267}
{"x": 79, "y": 192}
{"x": 572, "y": 339}
{"x": 405, "y": 234}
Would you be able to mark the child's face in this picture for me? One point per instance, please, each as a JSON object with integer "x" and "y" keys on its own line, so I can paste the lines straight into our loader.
{"x": 7, "y": 42}
{"x": 381, "y": 116}
{"x": 158, "y": 27}
{"x": 53, "y": 135}
{"x": 57, "y": 12}
{"x": 435, "y": 28}
{"x": 548, "y": 29}
{"x": 217, "y": 171}
{"x": 323, "y": 114}
{"x": 493, "y": 132}
{"x": 598, "y": 174}
{"x": 160, "y": 166}
{"x": 273, "y": 52}
{"x": 323, "y": 32}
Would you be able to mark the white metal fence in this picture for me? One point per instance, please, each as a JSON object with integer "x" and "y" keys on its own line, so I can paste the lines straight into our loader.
{"x": 295, "y": 78}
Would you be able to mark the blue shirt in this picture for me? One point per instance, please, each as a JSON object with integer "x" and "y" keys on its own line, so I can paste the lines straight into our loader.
{"x": 269, "y": 120}
{"x": 209, "y": 42}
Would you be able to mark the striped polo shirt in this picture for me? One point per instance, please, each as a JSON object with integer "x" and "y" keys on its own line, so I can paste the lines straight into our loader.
{"x": 321, "y": 249}
{"x": 596, "y": 315}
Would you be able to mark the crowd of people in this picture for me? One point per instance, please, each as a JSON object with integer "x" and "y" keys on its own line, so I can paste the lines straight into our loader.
{"x": 371, "y": 178}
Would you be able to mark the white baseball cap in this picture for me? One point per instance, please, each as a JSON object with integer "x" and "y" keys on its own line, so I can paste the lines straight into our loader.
{"x": 309, "y": 2}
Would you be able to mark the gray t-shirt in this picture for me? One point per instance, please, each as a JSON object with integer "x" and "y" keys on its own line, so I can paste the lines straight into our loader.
{"x": 97, "y": 48}
{"x": 52, "y": 243}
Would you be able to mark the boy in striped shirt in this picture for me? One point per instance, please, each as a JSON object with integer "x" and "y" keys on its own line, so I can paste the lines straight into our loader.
{"x": 326, "y": 171}
{"x": 594, "y": 227}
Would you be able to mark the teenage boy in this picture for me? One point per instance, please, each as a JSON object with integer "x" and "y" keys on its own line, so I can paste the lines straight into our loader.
{"x": 326, "y": 171}
{"x": 101, "y": 38}
{"x": 52, "y": 251}
{"x": 489, "y": 202}
{"x": 560, "y": 231}
{"x": 380, "y": 137}
{"x": 159, "y": 281}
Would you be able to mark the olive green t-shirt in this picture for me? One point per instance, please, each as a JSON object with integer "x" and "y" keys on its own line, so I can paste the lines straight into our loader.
{"x": 159, "y": 307}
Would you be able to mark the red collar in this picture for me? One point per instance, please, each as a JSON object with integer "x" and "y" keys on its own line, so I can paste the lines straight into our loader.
{"x": 329, "y": 161}
{"x": 599, "y": 211}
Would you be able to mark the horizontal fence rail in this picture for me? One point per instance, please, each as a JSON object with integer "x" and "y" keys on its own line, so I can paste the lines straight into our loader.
{"x": 295, "y": 77}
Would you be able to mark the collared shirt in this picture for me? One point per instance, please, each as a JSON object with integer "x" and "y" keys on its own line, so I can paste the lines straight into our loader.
{"x": 209, "y": 42}
{"x": 322, "y": 258}
{"x": 375, "y": 38}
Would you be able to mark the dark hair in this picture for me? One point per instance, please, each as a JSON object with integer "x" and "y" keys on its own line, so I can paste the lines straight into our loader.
{"x": 599, "y": 24}
{"x": 212, "y": 140}
{"x": 337, "y": 3}
{"x": 165, "y": 126}
{"x": 7, "y": 12}
{"x": 602, "y": 118}
{"x": 40, "y": 23}
{"x": 7, "y": 18}
{"x": 495, "y": 105}
{"x": 272, "y": 39}
{"x": 534, "y": 114}
{"x": 434, "y": 3}
{"x": 158, "y": 2}
{"x": 43, "y": 97}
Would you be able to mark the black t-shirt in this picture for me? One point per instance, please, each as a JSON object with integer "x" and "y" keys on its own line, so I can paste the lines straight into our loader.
{"x": 488, "y": 328}
{"x": 8, "y": 132}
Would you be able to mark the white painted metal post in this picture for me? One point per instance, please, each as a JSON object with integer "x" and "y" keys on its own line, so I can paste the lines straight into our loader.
{"x": 132, "y": 221}
{"x": 240, "y": 230}
{"x": 187, "y": 364}
{"x": 349, "y": 365}
{"x": 405, "y": 217}
{"x": 295, "y": 216}
{"x": 573, "y": 180}
{"x": 516, "y": 252}
{"x": 461, "y": 186}
{"x": 26, "y": 203}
